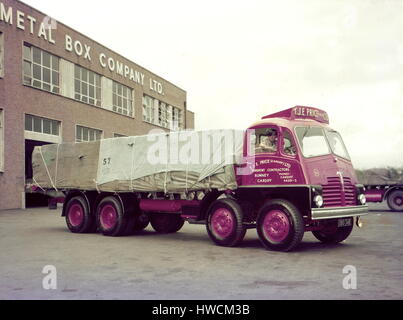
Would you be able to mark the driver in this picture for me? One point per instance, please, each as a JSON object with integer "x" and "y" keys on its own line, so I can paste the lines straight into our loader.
{"x": 268, "y": 141}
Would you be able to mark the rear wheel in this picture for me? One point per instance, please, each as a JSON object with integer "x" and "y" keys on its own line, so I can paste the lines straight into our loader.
{"x": 395, "y": 200}
{"x": 141, "y": 222}
{"x": 166, "y": 223}
{"x": 280, "y": 225}
{"x": 225, "y": 223}
{"x": 78, "y": 216}
{"x": 111, "y": 219}
{"x": 331, "y": 233}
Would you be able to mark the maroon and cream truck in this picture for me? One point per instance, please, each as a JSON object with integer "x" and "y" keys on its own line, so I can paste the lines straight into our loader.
{"x": 383, "y": 184}
{"x": 289, "y": 174}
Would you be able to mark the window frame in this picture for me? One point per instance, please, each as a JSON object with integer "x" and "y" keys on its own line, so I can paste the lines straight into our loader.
{"x": 51, "y": 86}
{"x": 331, "y": 131}
{"x": 124, "y": 98}
{"x": 96, "y": 85}
{"x": 118, "y": 135}
{"x": 42, "y": 119}
{"x": 283, "y": 133}
{"x": 301, "y": 148}
{"x": 148, "y": 110}
{"x": 278, "y": 142}
{"x": 88, "y": 128}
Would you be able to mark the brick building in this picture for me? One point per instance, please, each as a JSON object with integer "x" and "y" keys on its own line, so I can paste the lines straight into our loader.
{"x": 57, "y": 85}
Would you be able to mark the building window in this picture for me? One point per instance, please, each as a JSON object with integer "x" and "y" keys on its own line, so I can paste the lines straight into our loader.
{"x": 162, "y": 115}
{"x": 40, "y": 69}
{"x": 1, "y": 140}
{"x": 177, "y": 122}
{"x": 181, "y": 120}
{"x": 148, "y": 109}
{"x": 42, "y": 125}
{"x": 166, "y": 116}
{"x": 122, "y": 99}
{"x": 87, "y": 86}
{"x": 117, "y": 135}
{"x": 1, "y": 55}
{"x": 84, "y": 134}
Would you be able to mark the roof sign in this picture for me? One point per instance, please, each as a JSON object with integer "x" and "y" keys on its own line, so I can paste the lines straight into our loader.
{"x": 301, "y": 113}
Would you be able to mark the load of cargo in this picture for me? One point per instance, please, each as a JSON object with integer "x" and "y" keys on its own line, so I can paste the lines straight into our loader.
{"x": 163, "y": 162}
{"x": 380, "y": 176}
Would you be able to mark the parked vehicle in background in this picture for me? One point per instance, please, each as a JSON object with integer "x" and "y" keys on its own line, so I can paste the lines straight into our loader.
{"x": 384, "y": 184}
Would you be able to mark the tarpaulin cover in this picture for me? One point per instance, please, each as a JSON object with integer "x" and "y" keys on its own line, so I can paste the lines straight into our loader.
{"x": 381, "y": 176}
{"x": 167, "y": 162}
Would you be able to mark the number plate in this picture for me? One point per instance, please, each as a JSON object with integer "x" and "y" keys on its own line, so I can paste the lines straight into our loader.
{"x": 344, "y": 222}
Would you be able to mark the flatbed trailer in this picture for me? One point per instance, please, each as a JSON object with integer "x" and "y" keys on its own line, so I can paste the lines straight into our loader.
{"x": 295, "y": 176}
{"x": 392, "y": 194}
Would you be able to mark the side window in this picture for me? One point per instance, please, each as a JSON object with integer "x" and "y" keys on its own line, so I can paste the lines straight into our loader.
{"x": 266, "y": 140}
{"x": 288, "y": 144}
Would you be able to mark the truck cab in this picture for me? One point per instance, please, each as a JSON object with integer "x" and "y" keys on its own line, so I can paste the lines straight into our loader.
{"x": 294, "y": 158}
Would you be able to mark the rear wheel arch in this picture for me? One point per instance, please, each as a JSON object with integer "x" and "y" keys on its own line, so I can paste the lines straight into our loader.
{"x": 207, "y": 201}
{"x": 87, "y": 196}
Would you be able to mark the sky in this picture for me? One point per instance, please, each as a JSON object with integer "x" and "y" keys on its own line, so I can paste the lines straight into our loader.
{"x": 241, "y": 60}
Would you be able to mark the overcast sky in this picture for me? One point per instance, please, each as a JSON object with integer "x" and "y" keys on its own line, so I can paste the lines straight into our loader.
{"x": 240, "y": 60}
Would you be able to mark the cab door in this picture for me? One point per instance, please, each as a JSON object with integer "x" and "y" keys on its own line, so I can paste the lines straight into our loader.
{"x": 268, "y": 160}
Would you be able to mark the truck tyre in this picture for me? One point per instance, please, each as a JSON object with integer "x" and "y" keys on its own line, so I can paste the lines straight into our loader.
{"x": 395, "y": 200}
{"x": 166, "y": 223}
{"x": 78, "y": 216}
{"x": 280, "y": 225}
{"x": 225, "y": 223}
{"x": 334, "y": 234}
{"x": 111, "y": 219}
{"x": 141, "y": 222}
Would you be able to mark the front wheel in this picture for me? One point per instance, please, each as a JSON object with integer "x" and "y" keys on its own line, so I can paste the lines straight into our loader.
{"x": 280, "y": 225}
{"x": 225, "y": 223}
{"x": 395, "y": 200}
{"x": 331, "y": 233}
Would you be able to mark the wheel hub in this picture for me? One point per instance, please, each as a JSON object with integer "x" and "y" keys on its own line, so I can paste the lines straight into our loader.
{"x": 76, "y": 215}
{"x": 398, "y": 201}
{"x": 222, "y": 223}
{"x": 108, "y": 217}
{"x": 276, "y": 226}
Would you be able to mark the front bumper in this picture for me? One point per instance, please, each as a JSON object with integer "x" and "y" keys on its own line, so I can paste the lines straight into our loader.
{"x": 338, "y": 212}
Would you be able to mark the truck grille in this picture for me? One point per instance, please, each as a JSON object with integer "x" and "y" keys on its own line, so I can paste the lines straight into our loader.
{"x": 333, "y": 194}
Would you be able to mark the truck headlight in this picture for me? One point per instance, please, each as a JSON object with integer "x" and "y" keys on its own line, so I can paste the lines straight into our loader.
{"x": 318, "y": 200}
{"x": 362, "y": 199}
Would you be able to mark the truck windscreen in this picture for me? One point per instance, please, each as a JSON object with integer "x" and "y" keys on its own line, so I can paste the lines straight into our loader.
{"x": 312, "y": 141}
{"x": 316, "y": 141}
{"x": 337, "y": 144}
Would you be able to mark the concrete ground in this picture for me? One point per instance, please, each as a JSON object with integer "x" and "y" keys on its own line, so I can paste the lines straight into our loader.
{"x": 187, "y": 265}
